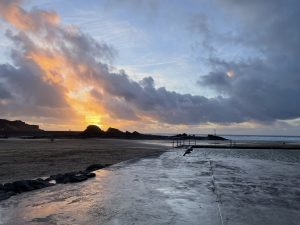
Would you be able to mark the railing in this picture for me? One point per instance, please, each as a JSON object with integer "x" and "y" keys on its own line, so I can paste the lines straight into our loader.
{"x": 184, "y": 141}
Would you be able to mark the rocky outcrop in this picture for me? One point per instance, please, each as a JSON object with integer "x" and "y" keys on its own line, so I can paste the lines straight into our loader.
{"x": 25, "y": 185}
{"x": 17, "y": 125}
{"x": 188, "y": 151}
{"x": 92, "y": 131}
{"x": 215, "y": 138}
{"x": 95, "y": 131}
{"x": 72, "y": 177}
{"x": 113, "y": 132}
{"x": 9, "y": 189}
{"x": 210, "y": 137}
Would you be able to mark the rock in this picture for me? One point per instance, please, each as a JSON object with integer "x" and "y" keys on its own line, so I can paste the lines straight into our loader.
{"x": 184, "y": 135}
{"x": 188, "y": 151}
{"x": 71, "y": 177}
{"x": 25, "y": 185}
{"x": 8, "y": 187}
{"x": 94, "y": 167}
{"x": 215, "y": 138}
{"x": 59, "y": 178}
{"x": 92, "y": 131}
{"x": 39, "y": 183}
{"x": 20, "y": 186}
{"x": 90, "y": 175}
{"x": 113, "y": 132}
{"x": 5, "y": 194}
{"x": 78, "y": 178}
{"x": 17, "y": 125}
{"x": 135, "y": 133}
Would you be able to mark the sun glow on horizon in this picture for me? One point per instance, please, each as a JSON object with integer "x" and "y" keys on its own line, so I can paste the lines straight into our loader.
{"x": 93, "y": 120}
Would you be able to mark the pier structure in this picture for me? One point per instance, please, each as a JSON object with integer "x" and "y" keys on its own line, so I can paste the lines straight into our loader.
{"x": 192, "y": 141}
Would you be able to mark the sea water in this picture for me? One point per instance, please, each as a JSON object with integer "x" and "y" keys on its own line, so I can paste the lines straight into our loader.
{"x": 262, "y": 138}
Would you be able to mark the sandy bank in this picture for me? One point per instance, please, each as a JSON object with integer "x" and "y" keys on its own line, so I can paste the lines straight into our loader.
{"x": 28, "y": 159}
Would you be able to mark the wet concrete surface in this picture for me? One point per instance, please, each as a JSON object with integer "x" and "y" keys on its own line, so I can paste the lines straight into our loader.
{"x": 208, "y": 186}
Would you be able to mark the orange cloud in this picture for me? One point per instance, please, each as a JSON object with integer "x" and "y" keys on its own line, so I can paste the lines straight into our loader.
{"x": 57, "y": 67}
{"x": 59, "y": 70}
{"x": 23, "y": 20}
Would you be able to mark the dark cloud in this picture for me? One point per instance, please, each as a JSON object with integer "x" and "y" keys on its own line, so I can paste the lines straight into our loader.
{"x": 4, "y": 93}
{"x": 265, "y": 87}
{"x": 28, "y": 85}
{"x": 167, "y": 106}
{"x": 217, "y": 80}
{"x": 261, "y": 92}
{"x": 271, "y": 26}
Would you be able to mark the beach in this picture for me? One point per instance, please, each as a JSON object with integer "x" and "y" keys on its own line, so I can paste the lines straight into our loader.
{"x": 207, "y": 186}
{"x": 29, "y": 159}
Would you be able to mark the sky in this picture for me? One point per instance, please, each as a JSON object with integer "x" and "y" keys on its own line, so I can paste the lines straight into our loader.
{"x": 156, "y": 66}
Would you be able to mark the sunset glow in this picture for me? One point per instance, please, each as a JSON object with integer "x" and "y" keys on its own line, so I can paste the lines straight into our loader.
{"x": 94, "y": 120}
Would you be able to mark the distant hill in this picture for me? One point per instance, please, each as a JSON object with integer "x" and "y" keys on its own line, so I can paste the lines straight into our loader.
{"x": 16, "y": 126}
{"x": 95, "y": 131}
{"x": 21, "y": 129}
{"x": 92, "y": 131}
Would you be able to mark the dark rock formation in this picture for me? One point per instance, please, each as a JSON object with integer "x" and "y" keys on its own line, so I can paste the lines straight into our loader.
{"x": 92, "y": 131}
{"x": 215, "y": 137}
{"x": 17, "y": 125}
{"x": 25, "y": 185}
{"x": 137, "y": 135}
{"x": 72, "y": 177}
{"x": 184, "y": 136}
{"x": 181, "y": 135}
{"x": 188, "y": 151}
{"x": 5, "y": 194}
{"x": 113, "y": 132}
{"x": 9, "y": 189}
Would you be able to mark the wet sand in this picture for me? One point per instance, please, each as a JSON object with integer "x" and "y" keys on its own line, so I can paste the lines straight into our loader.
{"x": 29, "y": 159}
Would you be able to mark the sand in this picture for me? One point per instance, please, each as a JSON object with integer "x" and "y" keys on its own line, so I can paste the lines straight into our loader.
{"x": 29, "y": 159}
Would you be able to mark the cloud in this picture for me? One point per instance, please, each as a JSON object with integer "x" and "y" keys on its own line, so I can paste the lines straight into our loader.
{"x": 22, "y": 80}
{"x": 200, "y": 25}
{"x": 58, "y": 71}
{"x": 4, "y": 94}
{"x": 262, "y": 93}
{"x": 265, "y": 85}
{"x": 33, "y": 20}
{"x": 270, "y": 26}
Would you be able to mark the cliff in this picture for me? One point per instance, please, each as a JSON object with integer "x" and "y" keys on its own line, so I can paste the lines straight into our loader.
{"x": 16, "y": 126}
